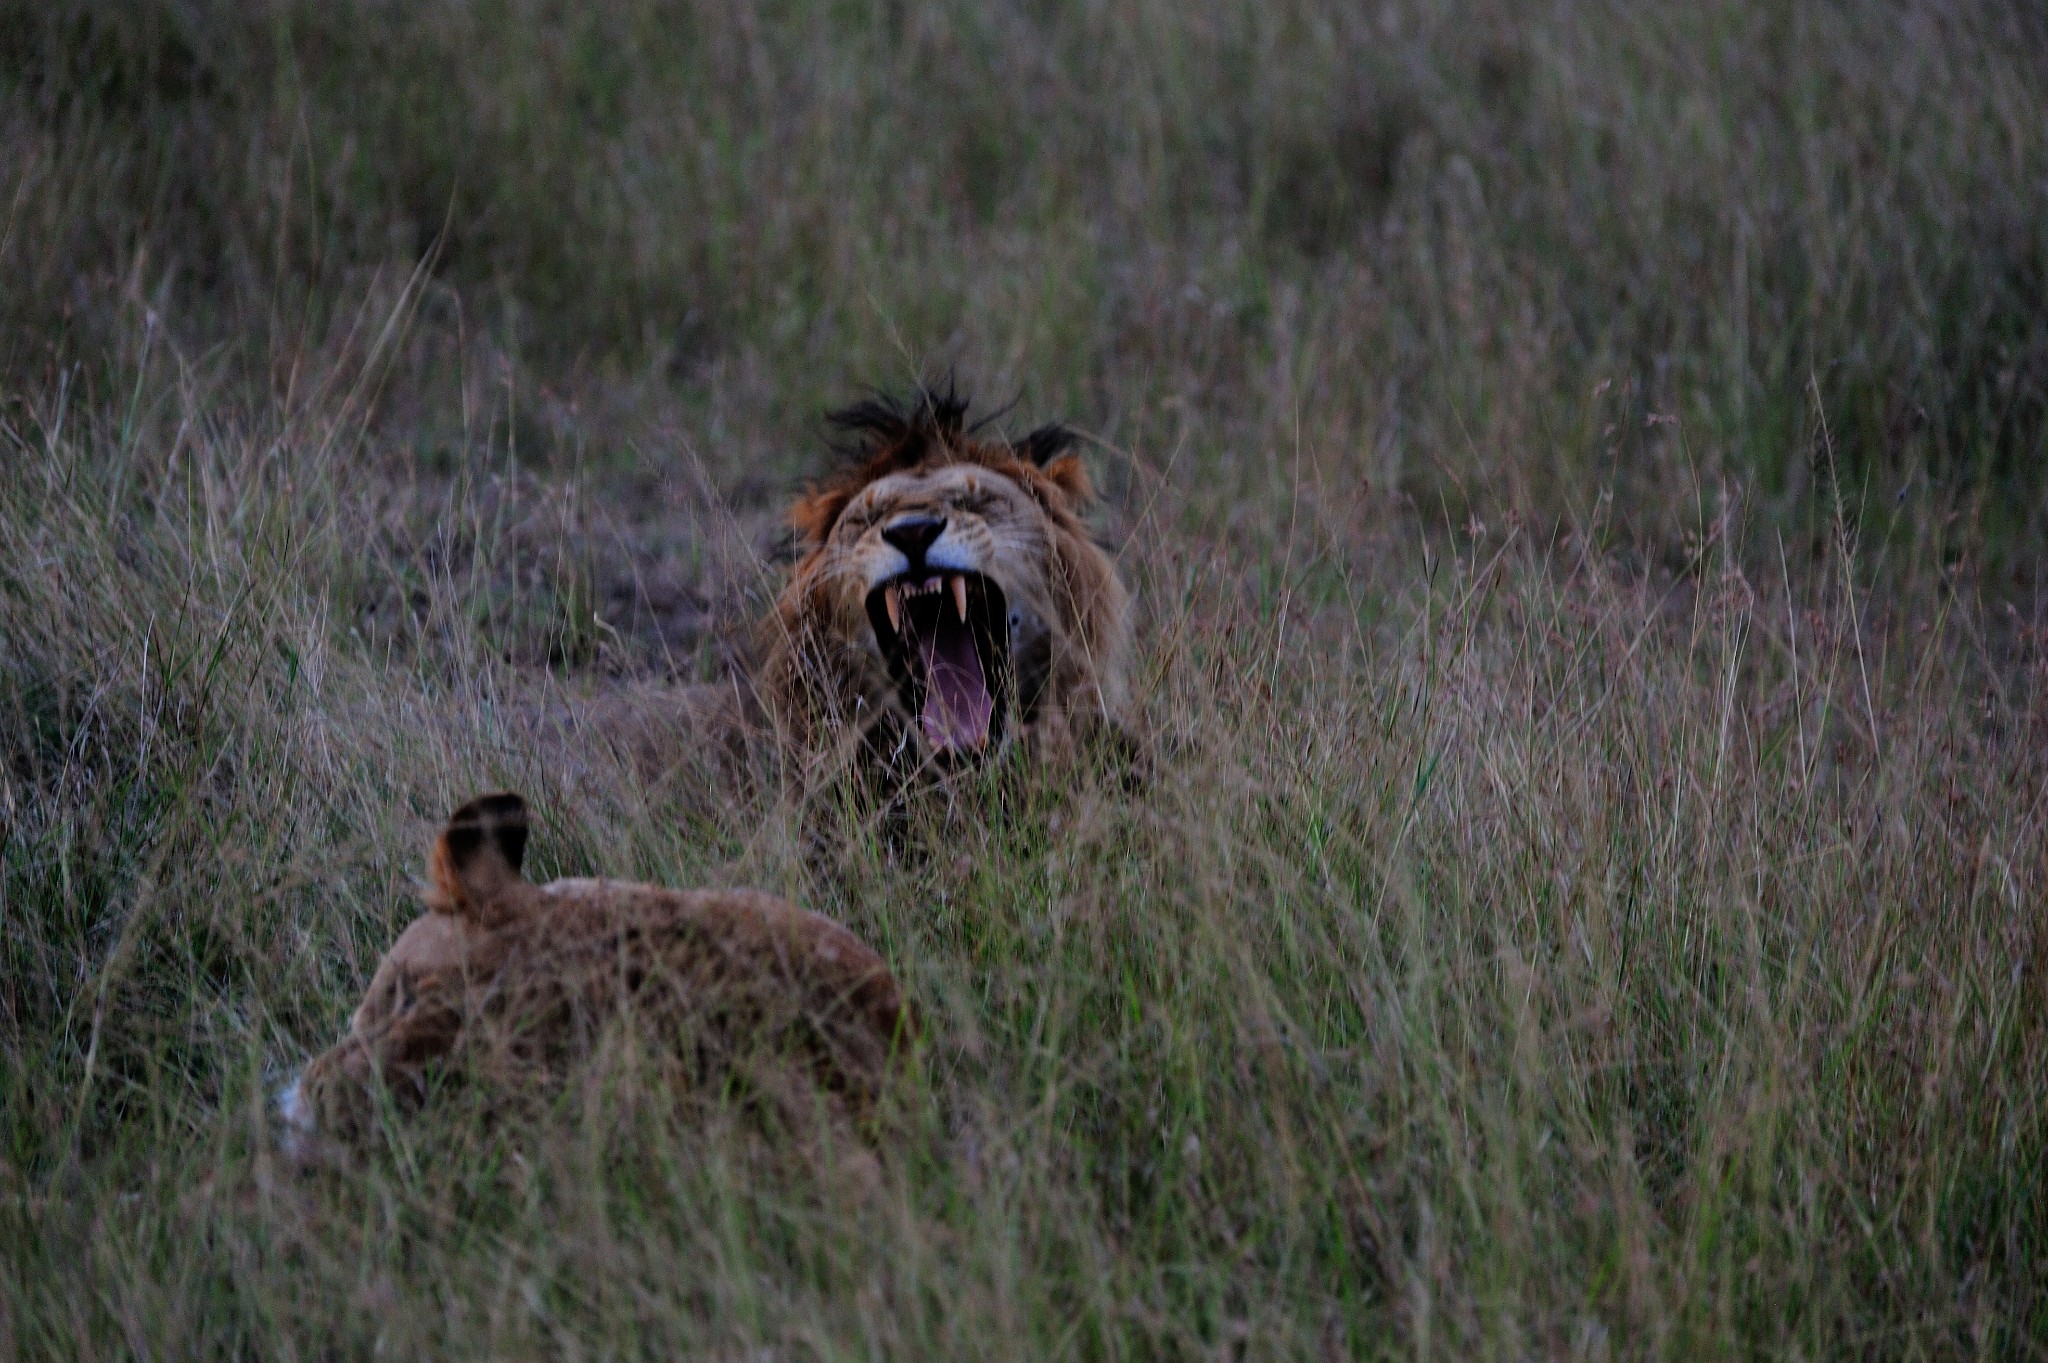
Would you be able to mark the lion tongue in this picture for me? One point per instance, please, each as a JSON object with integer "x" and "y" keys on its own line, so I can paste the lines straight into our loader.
{"x": 957, "y": 703}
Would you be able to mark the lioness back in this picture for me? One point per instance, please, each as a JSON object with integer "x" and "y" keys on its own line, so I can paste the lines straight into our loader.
{"x": 505, "y": 982}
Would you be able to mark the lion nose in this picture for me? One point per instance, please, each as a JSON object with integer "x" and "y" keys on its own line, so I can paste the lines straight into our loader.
{"x": 914, "y": 535}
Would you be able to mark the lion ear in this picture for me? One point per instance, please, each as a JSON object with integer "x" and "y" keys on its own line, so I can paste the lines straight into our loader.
{"x": 814, "y": 516}
{"x": 1047, "y": 443}
{"x": 1069, "y": 476}
{"x": 476, "y": 861}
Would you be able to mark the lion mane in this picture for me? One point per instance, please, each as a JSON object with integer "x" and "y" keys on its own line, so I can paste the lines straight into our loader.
{"x": 948, "y": 597}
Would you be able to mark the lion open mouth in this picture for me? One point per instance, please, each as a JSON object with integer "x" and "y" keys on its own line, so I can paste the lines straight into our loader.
{"x": 947, "y": 654}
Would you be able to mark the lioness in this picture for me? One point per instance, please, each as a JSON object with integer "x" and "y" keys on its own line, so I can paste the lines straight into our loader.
{"x": 948, "y": 595}
{"x": 503, "y": 981}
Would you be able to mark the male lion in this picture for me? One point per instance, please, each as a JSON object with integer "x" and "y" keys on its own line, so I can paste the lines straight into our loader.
{"x": 948, "y": 595}
{"x": 505, "y": 982}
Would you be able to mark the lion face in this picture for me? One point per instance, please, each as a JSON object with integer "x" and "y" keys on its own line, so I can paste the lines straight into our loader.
{"x": 949, "y": 572}
{"x": 951, "y": 595}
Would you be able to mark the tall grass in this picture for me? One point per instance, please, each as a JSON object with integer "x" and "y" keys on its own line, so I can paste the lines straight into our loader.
{"x": 1417, "y": 235}
{"x": 1581, "y": 473}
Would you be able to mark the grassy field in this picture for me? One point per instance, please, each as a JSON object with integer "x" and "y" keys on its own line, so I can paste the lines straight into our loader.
{"x": 1584, "y": 471}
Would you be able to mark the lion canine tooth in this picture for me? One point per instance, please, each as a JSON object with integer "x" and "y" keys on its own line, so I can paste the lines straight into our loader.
{"x": 893, "y": 599}
{"x": 960, "y": 596}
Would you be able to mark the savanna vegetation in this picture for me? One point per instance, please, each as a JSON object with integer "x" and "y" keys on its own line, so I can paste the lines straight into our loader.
{"x": 1584, "y": 471}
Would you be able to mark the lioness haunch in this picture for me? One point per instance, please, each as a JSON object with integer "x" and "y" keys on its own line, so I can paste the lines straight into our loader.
{"x": 506, "y": 982}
